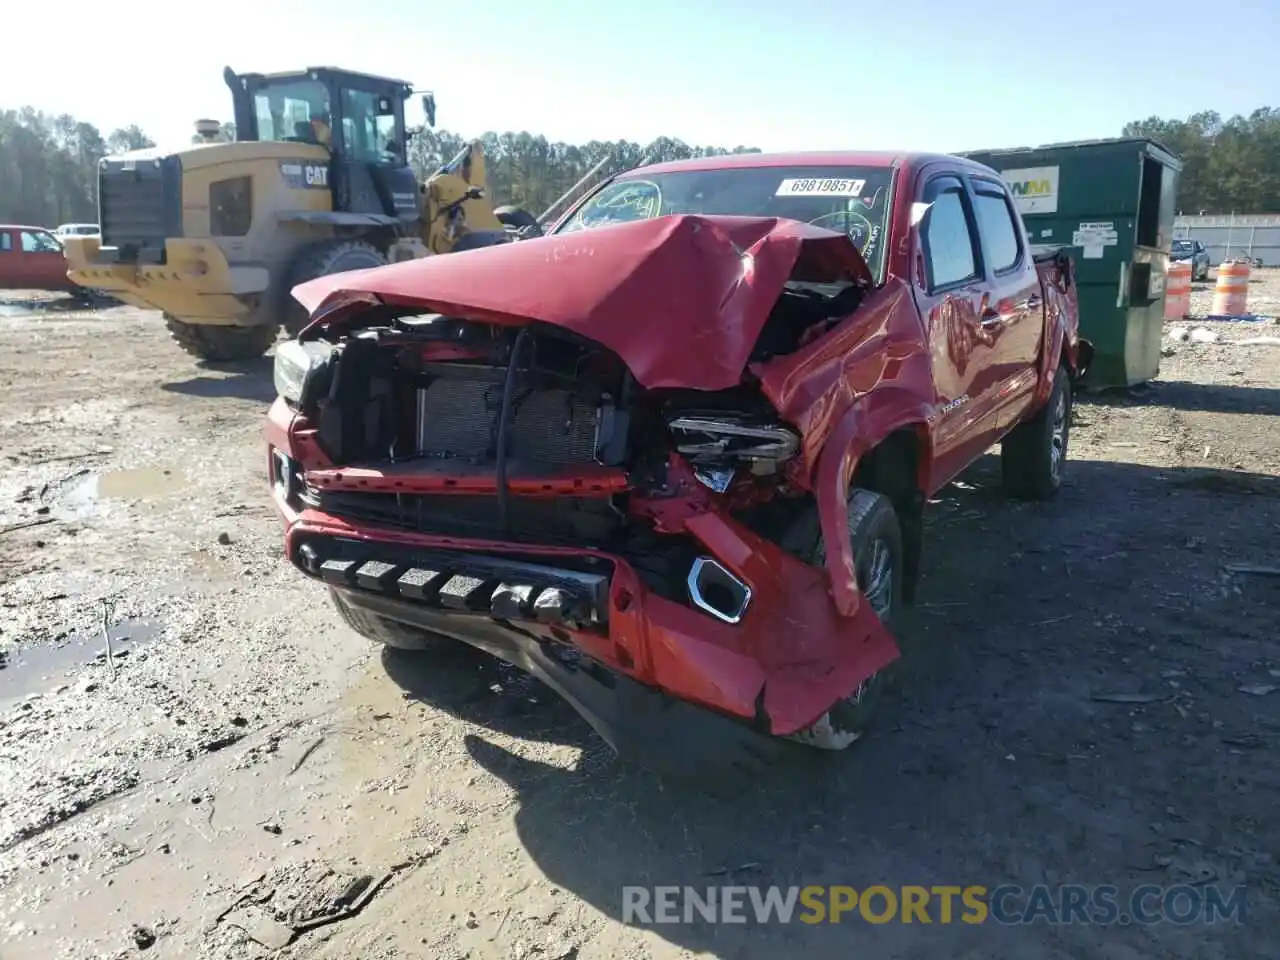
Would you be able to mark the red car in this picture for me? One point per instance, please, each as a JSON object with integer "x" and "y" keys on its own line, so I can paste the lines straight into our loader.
{"x": 31, "y": 259}
{"x": 672, "y": 458}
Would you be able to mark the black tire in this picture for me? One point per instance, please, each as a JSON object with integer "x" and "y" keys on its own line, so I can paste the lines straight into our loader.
{"x": 877, "y": 550}
{"x": 522, "y": 221}
{"x": 388, "y": 632}
{"x": 335, "y": 256}
{"x": 1033, "y": 456}
{"x": 221, "y": 344}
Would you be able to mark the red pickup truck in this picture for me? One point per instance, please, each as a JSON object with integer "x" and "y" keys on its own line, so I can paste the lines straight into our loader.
{"x": 672, "y": 458}
{"x": 31, "y": 259}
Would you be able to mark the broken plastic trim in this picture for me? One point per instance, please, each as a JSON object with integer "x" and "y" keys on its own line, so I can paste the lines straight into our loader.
{"x": 714, "y": 590}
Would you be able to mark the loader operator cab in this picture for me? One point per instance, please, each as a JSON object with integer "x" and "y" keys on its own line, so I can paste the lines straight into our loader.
{"x": 358, "y": 118}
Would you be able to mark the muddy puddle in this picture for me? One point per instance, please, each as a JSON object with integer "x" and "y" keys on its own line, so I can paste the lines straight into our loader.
{"x": 82, "y": 494}
{"x": 30, "y": 308}
{"x": 28, "y": 670}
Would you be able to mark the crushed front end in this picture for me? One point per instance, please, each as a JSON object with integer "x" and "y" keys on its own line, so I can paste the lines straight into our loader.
{"x": 514, "y": 486}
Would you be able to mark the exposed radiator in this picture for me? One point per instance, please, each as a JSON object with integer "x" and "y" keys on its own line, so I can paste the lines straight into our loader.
{"x": 459, "y": 419}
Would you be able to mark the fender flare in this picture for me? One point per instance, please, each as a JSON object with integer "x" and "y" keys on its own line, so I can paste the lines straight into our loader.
{"x": 861, "y": 428}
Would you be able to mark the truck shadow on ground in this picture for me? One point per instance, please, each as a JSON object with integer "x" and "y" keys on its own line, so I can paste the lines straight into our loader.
{"x": 1186, "y": 396}
{"x": 1069, "y": 712}
{"x": 476, "y": 687}
{"x": 239, "y": 380}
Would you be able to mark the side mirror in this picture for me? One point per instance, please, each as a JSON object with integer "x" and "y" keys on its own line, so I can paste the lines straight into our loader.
{"x": 474, "y": 193}
{"x": 429, "y": 108}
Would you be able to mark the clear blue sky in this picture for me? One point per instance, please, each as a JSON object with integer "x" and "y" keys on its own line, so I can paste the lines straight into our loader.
{"x": 778, "y": 74}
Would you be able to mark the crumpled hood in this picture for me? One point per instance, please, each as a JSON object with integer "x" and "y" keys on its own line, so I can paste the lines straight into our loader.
{"x": 681, "y": 299}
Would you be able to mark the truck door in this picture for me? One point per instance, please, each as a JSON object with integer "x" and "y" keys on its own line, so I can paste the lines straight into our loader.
{"x": 44, "y": 267}
{"x": 951, "y": 292}
{"x": 10, "y": 266}
{"x": 1014, "y": 317}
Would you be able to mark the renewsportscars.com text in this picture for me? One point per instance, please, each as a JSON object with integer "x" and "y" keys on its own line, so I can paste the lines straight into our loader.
{"x": 1005, "y": 904}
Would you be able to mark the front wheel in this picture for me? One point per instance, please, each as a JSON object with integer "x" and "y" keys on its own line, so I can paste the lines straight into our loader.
{"x": 334, "y": 256}
{"x": 876, "y": 537}
{"x": 1034, "y": 454}
{"x": 390, "y": 633}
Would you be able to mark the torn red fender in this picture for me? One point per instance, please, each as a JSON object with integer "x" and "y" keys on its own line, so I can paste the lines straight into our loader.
{"x": 811, "y": 654}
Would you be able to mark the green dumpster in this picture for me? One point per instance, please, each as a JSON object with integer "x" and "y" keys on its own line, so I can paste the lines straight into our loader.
{"x": 1112, "y": 203}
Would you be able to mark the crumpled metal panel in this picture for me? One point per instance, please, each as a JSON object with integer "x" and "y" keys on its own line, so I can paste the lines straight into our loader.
{"x": 681, "y": 299}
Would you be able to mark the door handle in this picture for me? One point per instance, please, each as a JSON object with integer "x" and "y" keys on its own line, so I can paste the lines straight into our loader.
{"x": 1033, "y": 302}
{"x": 991, "y": 317}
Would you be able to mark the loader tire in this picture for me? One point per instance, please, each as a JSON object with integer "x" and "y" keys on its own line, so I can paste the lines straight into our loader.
{"x": 335, "y": 256}
{"x": 221, "y": 344}
{"x": 521, "y": 221}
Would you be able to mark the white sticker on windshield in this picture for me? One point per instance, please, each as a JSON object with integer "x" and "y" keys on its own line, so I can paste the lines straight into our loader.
{"x": 799, "y": 187}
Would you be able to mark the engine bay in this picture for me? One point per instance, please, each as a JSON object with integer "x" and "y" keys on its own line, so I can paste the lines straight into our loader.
{"x": 426, "y": 394}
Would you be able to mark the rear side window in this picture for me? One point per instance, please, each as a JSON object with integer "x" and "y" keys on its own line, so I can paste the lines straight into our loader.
{"x": 947, "y": 236}
{"x": 6, "y": 242}
{"x": 996, "y": 224}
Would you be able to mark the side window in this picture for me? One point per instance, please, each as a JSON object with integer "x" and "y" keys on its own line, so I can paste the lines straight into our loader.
{"x": 369, "y": 126}
{"x": 999, "y": 231}
{"x": 38, "y": 242}
{"x": 947, "y": 235}
{"x": 6, "y": 242}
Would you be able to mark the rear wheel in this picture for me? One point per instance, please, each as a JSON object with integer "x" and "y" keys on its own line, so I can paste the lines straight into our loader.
{"x": 219, "y": 343}
{"x": 389, "y": 632}
{"x": 337, "y": 256}
{"x": 1033, "y": 456}
{"x": 877, "y": 559}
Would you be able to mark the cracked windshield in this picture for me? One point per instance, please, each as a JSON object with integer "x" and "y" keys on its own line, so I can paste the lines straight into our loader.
{"x": 854, "y": 201}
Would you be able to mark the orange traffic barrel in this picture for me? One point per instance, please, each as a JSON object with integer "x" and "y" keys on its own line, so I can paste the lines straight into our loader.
{"x": 1177, "y": 290}
{"x": 1231, "y": 294}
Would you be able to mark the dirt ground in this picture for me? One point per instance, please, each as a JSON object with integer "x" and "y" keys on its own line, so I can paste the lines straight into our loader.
{"x": 1090, "y": 694}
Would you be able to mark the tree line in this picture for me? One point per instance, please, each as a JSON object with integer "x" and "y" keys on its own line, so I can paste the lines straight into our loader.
{"x": 48, "y": 164}
{"x": 1229, "y": 165}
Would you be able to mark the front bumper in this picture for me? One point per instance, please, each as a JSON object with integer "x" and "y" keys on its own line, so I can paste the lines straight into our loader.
{"x": 775, "y": 670}
{"x": 642, "y": 724}
{"x": 194, "y": 282}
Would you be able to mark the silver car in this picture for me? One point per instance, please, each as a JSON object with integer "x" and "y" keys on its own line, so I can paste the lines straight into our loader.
{"x": 1194, "y": 251}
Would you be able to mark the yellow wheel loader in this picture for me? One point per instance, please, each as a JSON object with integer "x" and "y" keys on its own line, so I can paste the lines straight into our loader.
{"x": 317, "y": 181}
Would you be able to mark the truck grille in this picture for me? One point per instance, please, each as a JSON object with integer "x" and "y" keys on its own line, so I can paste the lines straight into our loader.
{"x": 569, "y": 521}
{"x": 139, "y": 206}
{"x": 459, "y": 418}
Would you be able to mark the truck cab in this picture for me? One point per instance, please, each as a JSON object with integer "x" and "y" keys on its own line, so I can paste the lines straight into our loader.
{"x": 356, "y": 119}
{"x": 31, "y": 259}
